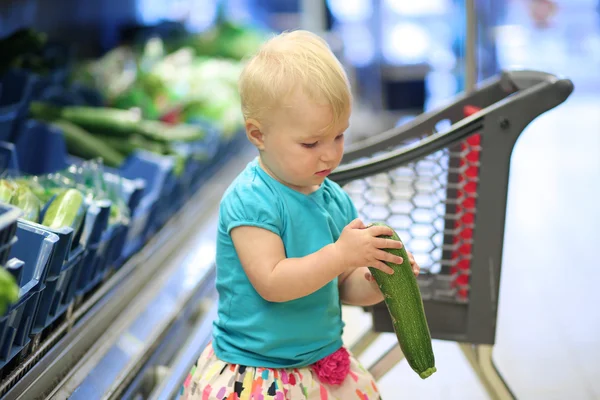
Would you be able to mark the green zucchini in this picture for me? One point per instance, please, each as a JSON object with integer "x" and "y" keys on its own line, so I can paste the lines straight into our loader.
{"x": 85, "y": 145}
{"x": 116, "y": 122}
{"x": 110, "y": 121}
{"x": 405, "y": 305}
{"x": 160, "y": 131}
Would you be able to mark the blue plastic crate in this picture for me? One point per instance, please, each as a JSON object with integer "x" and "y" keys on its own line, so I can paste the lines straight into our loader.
{"x": 115, "y": 252}
{"x": 157, "y": 171}
{"x": 90, "y": 274}
{"x": 16, "y": 268}
{"x": 96, "y": 222}
{"x": 115, "y": 245}
{"x": 9, "y": 215}
{"x": 8, "y": 157}
{"x": 5, "y": 250}
{"x": 36, "y": 248}
{"x": 15, "y": 94}
{"x": 64, "y": 251}
{"x": 97, "y": 260}
{"x": 40, "y": 148}
{"x": 138, "y": 232}
{"x": 154, "y": 169}
{"x": 16, "y": 324}
{"x": 89, "y": 96}
{"x": 58, "y": 294}
{"x": 93, "y": 240}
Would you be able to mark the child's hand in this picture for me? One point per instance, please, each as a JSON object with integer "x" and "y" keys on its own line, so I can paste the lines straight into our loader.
{"x": 415, "y": 267}
{"x": 359, "y": 246}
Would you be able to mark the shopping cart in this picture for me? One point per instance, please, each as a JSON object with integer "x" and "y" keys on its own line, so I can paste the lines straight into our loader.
{"x": 441, "y": 182}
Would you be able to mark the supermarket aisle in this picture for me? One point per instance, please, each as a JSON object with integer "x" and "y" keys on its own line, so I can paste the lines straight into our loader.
{"x": 548, "y": 342}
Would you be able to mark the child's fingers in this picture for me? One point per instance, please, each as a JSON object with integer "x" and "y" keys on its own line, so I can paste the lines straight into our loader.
{"x": 383, "y": 255}
{"x": 378, "y": 230}
{"x": 411, "y": 258}
{"x": 356, "y": 224}
{"x": 416, "y": 269}
{"x": 382, "y": 243}
{"x": 383, "y": 267}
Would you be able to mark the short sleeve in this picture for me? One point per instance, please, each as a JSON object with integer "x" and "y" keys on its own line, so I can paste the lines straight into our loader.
{"x": 251, "y": 206}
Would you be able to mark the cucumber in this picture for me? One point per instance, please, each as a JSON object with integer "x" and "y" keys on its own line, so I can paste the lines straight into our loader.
{"x": 83, "y": 144}
{"x": 67, "y": 209}
{"x": 116, "y": 122}
{"x": 405, "y": 305}
{"x": 160, "y": 131}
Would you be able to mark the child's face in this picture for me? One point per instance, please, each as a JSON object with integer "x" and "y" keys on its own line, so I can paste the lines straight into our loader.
{"x": 298, "y": 147}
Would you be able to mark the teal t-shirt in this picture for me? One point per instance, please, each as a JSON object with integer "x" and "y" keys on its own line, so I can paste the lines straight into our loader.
{"x": 249, "y": 330}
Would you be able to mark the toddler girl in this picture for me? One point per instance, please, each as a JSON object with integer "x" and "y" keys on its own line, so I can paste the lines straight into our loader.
{"x": 290, "y": 248}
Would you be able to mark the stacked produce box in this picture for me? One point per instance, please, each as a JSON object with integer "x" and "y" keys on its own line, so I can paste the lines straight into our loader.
{"x": 96, "y": 155}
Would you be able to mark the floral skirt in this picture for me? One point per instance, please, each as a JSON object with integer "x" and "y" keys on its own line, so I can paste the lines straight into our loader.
{"x": 213, "y": 379}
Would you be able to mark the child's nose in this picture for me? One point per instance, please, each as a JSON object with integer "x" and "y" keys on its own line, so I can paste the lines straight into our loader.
{"x": 329, "y": 153}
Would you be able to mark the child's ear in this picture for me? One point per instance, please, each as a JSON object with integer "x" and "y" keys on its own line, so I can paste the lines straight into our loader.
{"x": 254, "y": 133}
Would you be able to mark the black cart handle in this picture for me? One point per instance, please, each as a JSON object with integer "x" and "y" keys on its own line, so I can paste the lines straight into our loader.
{"x": 531, "y": 92}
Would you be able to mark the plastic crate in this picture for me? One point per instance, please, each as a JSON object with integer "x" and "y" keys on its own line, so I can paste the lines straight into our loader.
{"x": 137, "y": 232}
{"x": 93, "y": 238}
{"x": 8, "y": 157}
{"x": 97, "y": 260}
{"x": 64, "y": 251}
{"x": 32, "y": 138}
{"x": 89, "y": 96}
{"x": 58, "y": 294}
{"x": 157, "y": 171}
{"x": 96, "y": 222}
{"x": 36, "y": 248}
{"x": 16, "y": 324}
{"x": 5, "y": 250}
{"x": 200, "y": 154}
{"x": 15, "y": 93}
{"x": 115, "y": 246}
{"x": 9, "y": 216}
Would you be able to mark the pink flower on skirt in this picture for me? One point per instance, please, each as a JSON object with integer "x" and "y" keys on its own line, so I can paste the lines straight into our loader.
{"x": 334, "y": 368}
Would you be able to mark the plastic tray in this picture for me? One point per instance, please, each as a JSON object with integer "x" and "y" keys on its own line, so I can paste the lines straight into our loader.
{"x": 16, "y": 324}
{"x": 36, "y": 248}
{"x": 9, "y": 216}
{"x": 97, "y": 261}
{"x": 58, "y": 294}
{"x": 15, "y": 94}
{"x": 64, "y": 251}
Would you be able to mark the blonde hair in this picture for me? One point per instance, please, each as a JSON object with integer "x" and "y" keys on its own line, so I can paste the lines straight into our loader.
{"x": 290, "y": 61}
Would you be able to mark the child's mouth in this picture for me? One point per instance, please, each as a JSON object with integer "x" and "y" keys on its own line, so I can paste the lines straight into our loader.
{"x": 325, "y": 172}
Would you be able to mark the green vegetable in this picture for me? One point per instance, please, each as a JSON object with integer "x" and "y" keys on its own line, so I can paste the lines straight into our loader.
{"x": 7, "y": 190}
{"x": 126, "y": 146}
{"x": 16, "y": 48}
{"x": 67, "y": 209}
{"x": 27, "y": 201}
{"x": 160, "y": 131}
{"x": 403, "y": 300}
{"x": 9, "y": 290}
{"x": 83, "y": 144}
{"x": 112, "y": 121}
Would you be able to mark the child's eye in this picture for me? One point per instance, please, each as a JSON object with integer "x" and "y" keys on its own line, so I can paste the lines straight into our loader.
{"x": 309, "y": 145}
{"x": 339, "y": 137}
